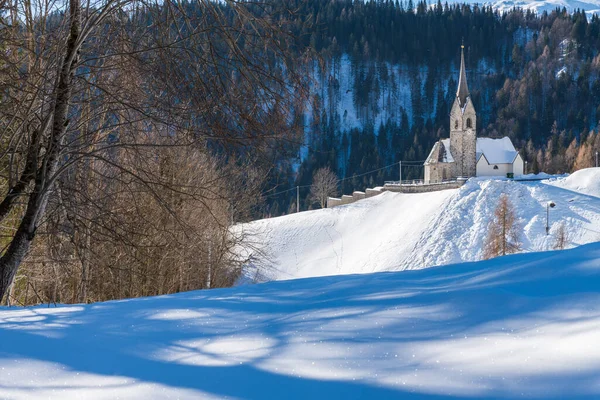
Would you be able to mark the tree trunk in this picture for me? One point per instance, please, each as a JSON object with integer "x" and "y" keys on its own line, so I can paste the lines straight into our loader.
{"x": 84, "y": 252}
{"x": 209, "y": 274}
{"x": 504, "y": 233}
{"x": 14, "y": 256}
{"x": 36, "y": 206}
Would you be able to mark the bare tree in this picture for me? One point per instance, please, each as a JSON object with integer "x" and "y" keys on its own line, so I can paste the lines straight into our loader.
{"x": 324, "y": 185}
{"x": 114, "y": 238}
{"x": 562, "y": 237}
{"x": 503, "y": 233}
{"x": 90, "y": 90}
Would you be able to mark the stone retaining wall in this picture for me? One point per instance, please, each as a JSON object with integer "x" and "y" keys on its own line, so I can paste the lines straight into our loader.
{"x": 372, "y": 192}
{"x": 432, "y": 187}
{"x": 356, "y": 195}
{"x": 391, "y": 187}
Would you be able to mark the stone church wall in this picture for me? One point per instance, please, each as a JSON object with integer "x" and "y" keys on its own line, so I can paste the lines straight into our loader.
{"x": 438, "y": 172}
{"x": 469, "y": 156}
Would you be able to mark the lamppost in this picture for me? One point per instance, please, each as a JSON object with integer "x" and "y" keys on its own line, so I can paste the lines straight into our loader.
{"x": 549, "y": 205}
{"x": 526, "y": 167}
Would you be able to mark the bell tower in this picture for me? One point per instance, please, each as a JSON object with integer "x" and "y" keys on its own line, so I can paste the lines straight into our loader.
{"x": 463, "y": 126}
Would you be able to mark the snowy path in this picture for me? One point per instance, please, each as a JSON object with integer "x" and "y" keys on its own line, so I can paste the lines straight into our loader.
{"x": 523, "y": 326}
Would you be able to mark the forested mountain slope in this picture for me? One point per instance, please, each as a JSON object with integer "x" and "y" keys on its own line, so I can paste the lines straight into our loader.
{"x": 385, "y": 77}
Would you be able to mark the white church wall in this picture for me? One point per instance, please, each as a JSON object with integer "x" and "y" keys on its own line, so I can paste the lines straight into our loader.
{"x": 518, "y": 166}
{"x": 485, "y": 169}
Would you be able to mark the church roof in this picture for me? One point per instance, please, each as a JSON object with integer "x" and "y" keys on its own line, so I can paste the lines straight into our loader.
{"x": 440, "y": 153}
{"x": 446, "y": 156}
{"x": 434, "y": 154}
{"x": 463, "y": 90}
{"x": 496, "y": 151}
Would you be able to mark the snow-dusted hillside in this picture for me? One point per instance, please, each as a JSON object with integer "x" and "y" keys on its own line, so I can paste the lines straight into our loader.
{"x": 367, "y": 236}
{"x": 396, "y": 231}
{"x": 539, "y": 6}
{"x": 585, "y": 181}
{"x": 524, "y": 326}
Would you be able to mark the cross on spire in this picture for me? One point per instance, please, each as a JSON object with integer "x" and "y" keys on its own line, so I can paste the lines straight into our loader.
{"x": 463, "y": 90}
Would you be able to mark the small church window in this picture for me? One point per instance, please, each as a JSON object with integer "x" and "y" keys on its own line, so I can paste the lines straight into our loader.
{"x": 495, "y": 167}
{"x": 456, "y": 124}
{"x": 469, "y": 123}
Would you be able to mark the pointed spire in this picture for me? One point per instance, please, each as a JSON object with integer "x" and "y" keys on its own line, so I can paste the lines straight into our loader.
{"x": 463, "y": 90}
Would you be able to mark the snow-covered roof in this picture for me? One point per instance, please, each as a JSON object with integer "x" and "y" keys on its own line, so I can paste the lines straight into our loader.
{"x": 440, "y": 152}
{"x": 496, "y": 151}
{"x": 447, "y": 156}
{"x": 431, "y": 158}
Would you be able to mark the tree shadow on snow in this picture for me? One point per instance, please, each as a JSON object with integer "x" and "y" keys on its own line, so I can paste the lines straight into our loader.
{"x": 167, "y": 340}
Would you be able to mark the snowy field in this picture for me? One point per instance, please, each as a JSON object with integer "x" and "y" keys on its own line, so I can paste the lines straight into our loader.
{"x": 396, "y": 231}
{"x": 523, "y": 326}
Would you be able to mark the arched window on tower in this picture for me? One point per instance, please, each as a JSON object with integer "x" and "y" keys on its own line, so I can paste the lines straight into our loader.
{"x": 469, "y": 125}
{"x": 456, "y": 124}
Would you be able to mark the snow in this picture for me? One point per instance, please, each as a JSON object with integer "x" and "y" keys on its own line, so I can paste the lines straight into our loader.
{"x": 396, "y": 231}
{"x": 457, "y": 233}
{"x": 523, "y": 326}
{"x": 496, "y": 151}
{"x": 539, "y": 6}
{"x": 584, "y": 181}
{"x": 366, "y": 236}
{"x": 447, "y": 154}
{"x": 539, "y": 176}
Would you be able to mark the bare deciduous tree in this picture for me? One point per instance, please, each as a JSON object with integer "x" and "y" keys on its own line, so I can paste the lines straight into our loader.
{"x": 562, "y": 237}
{"x": 134, "y": 246}
{"x": 324, "y": 185}
{"x": 91, "y": 94}
{"x": 503, "y": 233}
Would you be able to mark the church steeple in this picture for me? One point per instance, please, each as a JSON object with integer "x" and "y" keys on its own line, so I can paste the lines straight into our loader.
{"x": 463, "y": 90}
{"x": 463, "y": 127}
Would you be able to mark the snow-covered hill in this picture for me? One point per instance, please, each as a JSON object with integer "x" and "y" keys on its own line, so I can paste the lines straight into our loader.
{"x": 585, "y": 181}
{"x": 397, "y": 231}
{"x": 523, "y": 326}
{"x": 539, "y": 6}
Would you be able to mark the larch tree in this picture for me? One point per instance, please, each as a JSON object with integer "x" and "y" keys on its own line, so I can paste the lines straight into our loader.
{"x": 561, "y": 237}
{"x": 503, "y": 233}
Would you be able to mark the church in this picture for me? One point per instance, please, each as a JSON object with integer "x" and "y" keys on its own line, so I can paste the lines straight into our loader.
{"x": 464, "y": 155}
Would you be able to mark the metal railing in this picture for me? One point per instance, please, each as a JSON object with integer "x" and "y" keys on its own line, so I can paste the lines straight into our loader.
{"x": 405, "y": 182}
{"x": 412, "y": 182}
